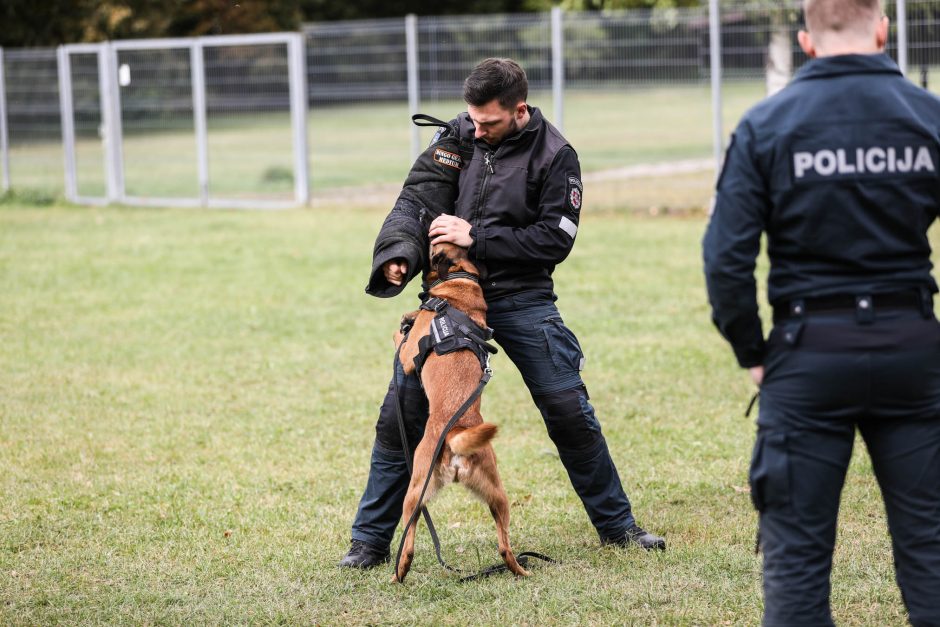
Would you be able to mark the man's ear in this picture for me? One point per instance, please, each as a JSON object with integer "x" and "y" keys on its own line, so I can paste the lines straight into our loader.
{"x": 881, "y": 32}
{"x": 806, "y": 43}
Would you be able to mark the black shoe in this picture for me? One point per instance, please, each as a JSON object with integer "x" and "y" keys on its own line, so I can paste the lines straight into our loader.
{"x": 640, "y": 537}
{"x": 364, "y": 555}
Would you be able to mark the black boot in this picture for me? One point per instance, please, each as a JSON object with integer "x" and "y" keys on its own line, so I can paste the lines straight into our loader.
{"x": 364, "y": 555}
{"x": 640, "y": 537}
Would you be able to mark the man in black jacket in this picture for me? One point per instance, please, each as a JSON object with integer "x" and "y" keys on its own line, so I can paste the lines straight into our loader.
{"x": 517, "y": 206}
{"x": 842, "y": 171}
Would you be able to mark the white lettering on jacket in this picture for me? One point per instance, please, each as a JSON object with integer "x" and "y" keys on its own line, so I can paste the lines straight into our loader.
{"x": 875, "y": 160}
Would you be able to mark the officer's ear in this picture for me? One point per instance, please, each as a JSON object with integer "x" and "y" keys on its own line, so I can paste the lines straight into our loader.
{"x": 881, "y": 32}
{"x": 806, "y": 43}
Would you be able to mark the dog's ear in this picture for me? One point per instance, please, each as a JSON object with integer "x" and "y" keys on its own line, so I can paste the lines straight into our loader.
{"x": 441, "y": 263}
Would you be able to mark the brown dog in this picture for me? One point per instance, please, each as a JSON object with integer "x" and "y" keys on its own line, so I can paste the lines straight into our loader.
{"x": 449, "y": 380}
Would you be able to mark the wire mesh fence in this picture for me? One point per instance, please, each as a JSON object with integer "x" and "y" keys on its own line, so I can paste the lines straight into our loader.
{"x": 33, "y": 125}
{"x": 214, "y": 120}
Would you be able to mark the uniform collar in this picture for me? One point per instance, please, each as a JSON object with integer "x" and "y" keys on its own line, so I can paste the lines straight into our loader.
{"x": 847, "y": 64}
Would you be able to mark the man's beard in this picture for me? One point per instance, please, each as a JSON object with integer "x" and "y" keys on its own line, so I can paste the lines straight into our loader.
{"x": 511, "y": 130}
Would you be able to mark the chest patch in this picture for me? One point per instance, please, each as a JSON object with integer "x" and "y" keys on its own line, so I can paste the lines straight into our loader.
{"x": 445, "y": 157}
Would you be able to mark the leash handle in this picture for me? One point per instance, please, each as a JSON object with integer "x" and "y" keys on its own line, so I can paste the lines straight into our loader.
{"x": 420, "y": 119}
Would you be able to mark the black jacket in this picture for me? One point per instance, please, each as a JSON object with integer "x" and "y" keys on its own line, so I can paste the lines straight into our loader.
{"x": 841, "y": 169}
{"x": 522, "y": 199}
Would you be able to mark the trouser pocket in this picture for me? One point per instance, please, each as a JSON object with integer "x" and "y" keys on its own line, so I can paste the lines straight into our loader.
{"x": 769, "y": 475}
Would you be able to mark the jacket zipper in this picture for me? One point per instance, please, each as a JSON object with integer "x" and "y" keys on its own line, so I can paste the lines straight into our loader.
{"x": 487, "y": 171}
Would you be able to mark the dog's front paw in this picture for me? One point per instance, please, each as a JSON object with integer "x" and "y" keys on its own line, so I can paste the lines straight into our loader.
{"x": 408, "y": 321}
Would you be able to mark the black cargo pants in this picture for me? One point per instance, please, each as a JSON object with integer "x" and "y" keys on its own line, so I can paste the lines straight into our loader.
{"x": 825, "y": 374}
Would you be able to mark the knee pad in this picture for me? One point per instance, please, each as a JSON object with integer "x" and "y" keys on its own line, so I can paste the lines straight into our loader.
{"x": 570, "y": 419}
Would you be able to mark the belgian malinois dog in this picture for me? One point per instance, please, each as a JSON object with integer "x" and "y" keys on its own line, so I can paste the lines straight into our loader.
{"x": 449, "y": 380}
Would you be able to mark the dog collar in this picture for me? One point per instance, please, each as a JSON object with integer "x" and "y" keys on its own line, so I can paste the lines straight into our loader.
{"x": 460, "y": 274}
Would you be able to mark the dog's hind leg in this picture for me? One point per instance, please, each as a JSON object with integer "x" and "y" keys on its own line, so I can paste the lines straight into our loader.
{"x": 485, "y": 482}
{"x": 422, "y": 459}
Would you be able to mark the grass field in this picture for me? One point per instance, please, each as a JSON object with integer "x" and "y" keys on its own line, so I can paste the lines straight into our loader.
{"x": 186, "y": 410}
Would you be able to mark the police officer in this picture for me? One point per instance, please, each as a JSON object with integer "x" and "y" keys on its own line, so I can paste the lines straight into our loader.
{"x": 517, "y": 210}
{"x": 840, "y": 169}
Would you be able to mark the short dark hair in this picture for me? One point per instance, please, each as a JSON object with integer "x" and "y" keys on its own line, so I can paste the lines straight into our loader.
{"x": 501, "y": 79}
{"x": 839, "y": 15}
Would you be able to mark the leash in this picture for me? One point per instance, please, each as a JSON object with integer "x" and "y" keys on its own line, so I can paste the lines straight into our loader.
{"x": 521, "y": 558}
{"x": 407, "y": 450}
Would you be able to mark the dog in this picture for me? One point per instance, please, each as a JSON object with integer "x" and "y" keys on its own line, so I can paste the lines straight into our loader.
{"x": 449, "y": 380}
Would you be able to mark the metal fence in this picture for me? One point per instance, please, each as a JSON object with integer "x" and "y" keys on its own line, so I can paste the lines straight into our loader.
{"x": 222, "y": 121}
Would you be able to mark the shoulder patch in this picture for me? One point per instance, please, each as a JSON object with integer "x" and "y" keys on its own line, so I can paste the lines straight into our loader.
{"x": 575, "y": 192}
{"x": 450, "y": 159}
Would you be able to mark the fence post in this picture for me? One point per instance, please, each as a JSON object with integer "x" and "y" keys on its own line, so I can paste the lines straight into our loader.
{"x": 297, "y": 69}
{"x": 197, "y": 71}
{"x": 111, "y": 120}
{"x": 902, "y": 35}
{"x": 414, "y": 95}
{"x": 67, "y": 115}
{"x": 4, "y": 137}
{"x": 714, "y": 37}
{"x": 558, "y": 67}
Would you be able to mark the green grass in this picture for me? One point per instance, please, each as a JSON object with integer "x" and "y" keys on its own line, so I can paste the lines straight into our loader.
{"x": 187, "y": 402}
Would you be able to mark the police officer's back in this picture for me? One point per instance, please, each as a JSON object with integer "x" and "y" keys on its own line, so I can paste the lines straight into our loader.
{"x": 840, "y": 170}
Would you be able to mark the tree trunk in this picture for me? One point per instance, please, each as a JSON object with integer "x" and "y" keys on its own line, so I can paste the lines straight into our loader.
{"x": 779, "y": 58}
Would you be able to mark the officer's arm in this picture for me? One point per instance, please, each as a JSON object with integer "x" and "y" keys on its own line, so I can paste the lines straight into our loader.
{"x": 549, "y": 240}
{"x": 731, "y": 246}
{"x": 429, "y": 190}
{"x": 401, "y": 237}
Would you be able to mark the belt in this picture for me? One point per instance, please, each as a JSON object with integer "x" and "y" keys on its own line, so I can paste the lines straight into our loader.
{"x": 908, "y": 299}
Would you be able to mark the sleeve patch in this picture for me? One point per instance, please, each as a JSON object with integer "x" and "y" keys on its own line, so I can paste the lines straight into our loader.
{"x": 568, "y": 227}
{"x": 574, "y": 195}
{"x": 445, "y": 157}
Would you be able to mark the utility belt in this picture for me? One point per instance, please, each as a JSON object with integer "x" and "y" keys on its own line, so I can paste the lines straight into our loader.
{"x": 864, "y": 306}
{"x": 791, "y": 328}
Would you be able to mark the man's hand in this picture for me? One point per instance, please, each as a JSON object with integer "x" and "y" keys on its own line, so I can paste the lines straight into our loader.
{"x": 757, "y": 375}
{"x": 451, "y": 229}
{"x": 395, "y": 271}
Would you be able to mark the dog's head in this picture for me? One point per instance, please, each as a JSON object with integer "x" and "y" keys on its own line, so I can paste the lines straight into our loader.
{"x": 447, "y": 257}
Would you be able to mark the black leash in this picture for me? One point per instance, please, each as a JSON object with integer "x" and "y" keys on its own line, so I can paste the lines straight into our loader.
{"x": 407, "y": 450}
{"x": 487, "y": 373}
{"x": 521, "y": 558}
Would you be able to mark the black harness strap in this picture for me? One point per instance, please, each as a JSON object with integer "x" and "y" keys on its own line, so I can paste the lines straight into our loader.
{"x": 453, "y": 330}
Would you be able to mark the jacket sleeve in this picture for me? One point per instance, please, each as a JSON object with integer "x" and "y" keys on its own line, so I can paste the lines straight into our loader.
{"x": 550, "y": 238}
{"x": 429, "y": 190}
{"x": 731, "y": 246}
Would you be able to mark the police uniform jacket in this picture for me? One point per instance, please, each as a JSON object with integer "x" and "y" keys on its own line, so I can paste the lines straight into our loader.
{"x": 523, "y": 200}
{"x": 840, "y": 169}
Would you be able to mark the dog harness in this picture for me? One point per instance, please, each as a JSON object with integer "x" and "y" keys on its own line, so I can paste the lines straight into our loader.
{"x": 453, "y": 330}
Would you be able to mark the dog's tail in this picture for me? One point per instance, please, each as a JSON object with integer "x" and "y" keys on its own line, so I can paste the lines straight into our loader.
{"x": 471, "y": 440}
